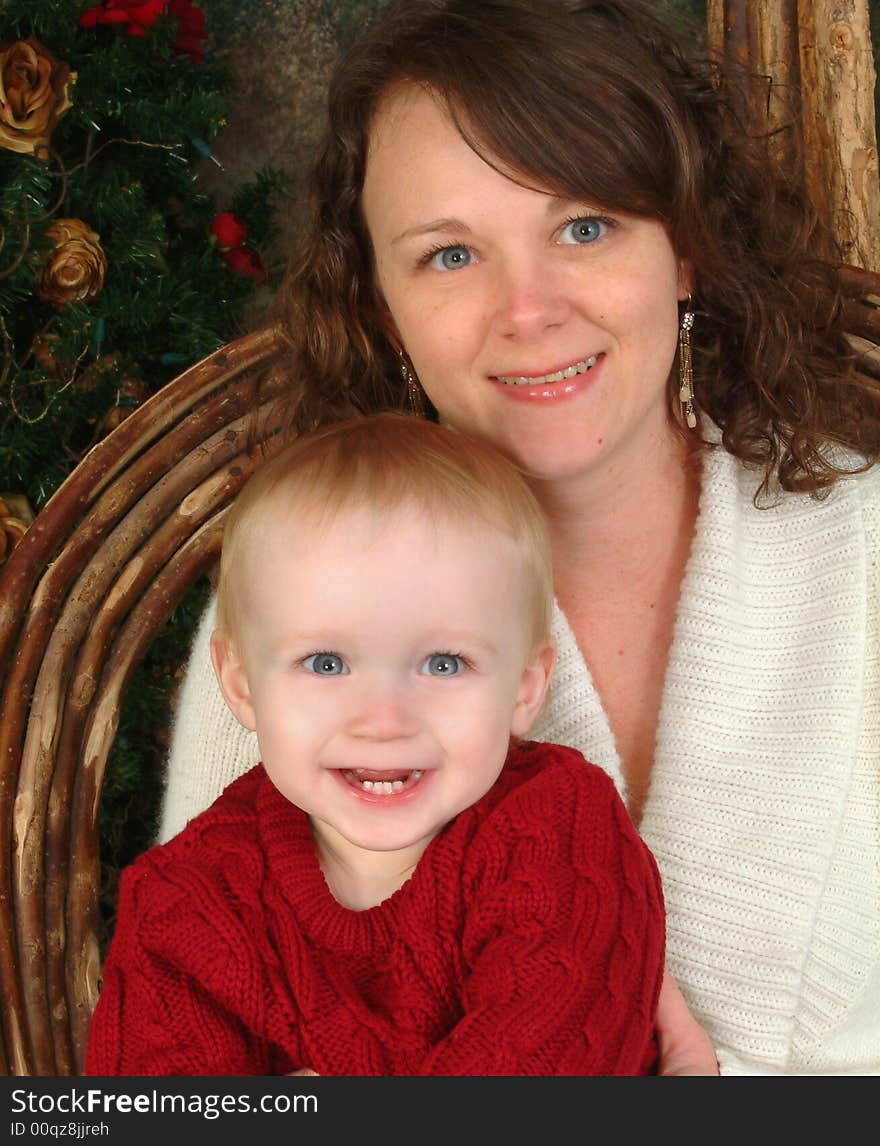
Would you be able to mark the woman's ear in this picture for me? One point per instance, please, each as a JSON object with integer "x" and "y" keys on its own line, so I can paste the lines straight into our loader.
{"x": 232, "y": 678}
{"x": 533, "y": 687}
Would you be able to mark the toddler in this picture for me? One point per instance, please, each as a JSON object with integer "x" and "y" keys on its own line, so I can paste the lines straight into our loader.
{"x": 403, "y": 885}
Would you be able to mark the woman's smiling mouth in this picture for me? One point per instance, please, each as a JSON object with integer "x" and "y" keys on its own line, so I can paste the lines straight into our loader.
{"x": 542, "y": 379}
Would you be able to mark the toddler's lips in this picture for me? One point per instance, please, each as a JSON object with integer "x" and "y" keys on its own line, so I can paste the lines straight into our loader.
{"x": 382, "y": 783}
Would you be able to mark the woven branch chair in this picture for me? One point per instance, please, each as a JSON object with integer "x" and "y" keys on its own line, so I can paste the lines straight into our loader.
{"x": 81, "y": 598}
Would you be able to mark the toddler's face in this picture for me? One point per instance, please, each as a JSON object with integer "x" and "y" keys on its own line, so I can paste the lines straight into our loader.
{"x": 385, "y": 666}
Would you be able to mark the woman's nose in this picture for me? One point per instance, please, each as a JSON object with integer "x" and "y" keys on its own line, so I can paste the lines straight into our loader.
{"x": 530, "y": 299}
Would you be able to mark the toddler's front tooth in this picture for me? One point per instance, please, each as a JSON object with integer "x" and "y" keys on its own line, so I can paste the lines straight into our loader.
{"x": 368, "y": 784}
{"x": 387, "y": 787}
{"x": 557, "y": 377}
{"x": 569, "y": 371}
{"x": 397, "y": 785}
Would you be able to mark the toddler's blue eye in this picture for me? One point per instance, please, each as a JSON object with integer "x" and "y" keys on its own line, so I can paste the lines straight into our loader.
{"x": 325, "y": 664}
{"x": 451, "y": 259}
{"x": 442, "y": 664}
{"x": 586, "y": 230}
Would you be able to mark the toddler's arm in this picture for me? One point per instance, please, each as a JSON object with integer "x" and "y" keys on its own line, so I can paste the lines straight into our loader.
{"x": 153, "y": 1016}
{"x": 565, "y": 936}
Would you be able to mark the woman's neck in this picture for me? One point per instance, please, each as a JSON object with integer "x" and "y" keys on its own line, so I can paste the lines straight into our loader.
{"x": 620, "y": 547}
{"x": 624, "y": 531}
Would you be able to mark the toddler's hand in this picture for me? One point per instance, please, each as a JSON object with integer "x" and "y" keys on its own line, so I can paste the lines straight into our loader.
{"x": 685, "y": 1048}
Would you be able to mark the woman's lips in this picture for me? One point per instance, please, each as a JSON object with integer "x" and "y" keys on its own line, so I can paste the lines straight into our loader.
{"x": 560, "y": 384}
{"x": 580, "y": 367}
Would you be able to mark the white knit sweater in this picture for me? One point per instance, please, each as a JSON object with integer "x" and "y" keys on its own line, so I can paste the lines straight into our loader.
{"x": 764, "y": 806}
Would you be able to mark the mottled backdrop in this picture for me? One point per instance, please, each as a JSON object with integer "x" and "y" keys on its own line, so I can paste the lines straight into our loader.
{"x": 280, "y": 53}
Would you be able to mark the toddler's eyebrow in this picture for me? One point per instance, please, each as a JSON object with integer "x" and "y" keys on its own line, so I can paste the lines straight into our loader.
{"x": 452, "y": 640}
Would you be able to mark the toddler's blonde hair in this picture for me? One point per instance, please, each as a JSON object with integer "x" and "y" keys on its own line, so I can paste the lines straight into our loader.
{"x": 391, "y": 463}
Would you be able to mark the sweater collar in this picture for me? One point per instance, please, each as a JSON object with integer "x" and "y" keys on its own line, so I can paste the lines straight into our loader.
{"x": 292, "y": 859}
{"x": 740, "y": 567}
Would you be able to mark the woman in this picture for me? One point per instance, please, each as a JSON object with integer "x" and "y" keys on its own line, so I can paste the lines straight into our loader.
{"x": 537, "y": 220}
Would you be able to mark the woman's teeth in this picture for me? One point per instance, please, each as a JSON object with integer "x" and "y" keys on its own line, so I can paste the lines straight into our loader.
{"x": 559, "y": 376}
{"x": 383, "y": 787}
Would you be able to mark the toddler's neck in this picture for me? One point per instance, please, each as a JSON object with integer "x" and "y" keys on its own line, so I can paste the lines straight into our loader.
{"x": 360, "y": 879}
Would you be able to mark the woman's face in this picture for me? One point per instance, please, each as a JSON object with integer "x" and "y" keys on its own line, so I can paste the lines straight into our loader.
{"x": 542, "y": 325}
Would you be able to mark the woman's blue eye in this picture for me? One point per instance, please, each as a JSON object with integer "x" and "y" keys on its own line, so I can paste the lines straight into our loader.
{"x": 586, "y": 230}
{"x": 442, "y": 664}
{"x": 451, "y": 259}
{"x": 325, "y": 664}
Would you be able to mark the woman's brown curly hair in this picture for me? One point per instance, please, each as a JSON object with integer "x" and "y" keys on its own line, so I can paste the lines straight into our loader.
{"x": 595, "y": 102}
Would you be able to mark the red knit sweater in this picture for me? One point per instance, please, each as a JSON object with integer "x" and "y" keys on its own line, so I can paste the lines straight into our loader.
{"x": 529, "y": 940}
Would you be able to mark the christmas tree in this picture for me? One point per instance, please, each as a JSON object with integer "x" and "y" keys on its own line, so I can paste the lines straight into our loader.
{"x": 117, "y": 271}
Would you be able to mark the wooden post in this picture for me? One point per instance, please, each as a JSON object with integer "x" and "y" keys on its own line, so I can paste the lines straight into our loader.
{"x": 773, "y": 36}
{"x": 812, "y": 69}
{"x": 839, "y": 123}
{"x": 715, "y": 26}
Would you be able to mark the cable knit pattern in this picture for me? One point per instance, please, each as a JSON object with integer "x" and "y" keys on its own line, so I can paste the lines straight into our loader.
{"x": 764, "y": 807}
{"x": 529, "y": 940}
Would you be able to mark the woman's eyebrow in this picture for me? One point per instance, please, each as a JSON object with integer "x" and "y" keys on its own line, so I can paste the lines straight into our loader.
{"x": 566, "y": 203}
{"x": 447, "y": 225}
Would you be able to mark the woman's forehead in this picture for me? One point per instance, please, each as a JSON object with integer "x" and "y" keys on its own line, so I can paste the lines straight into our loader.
{"x": 421, "y": 164}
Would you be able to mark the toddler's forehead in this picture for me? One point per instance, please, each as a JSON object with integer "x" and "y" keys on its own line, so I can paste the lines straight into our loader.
{"x": 357, "y": 559}
{"x": 313, "y": 521}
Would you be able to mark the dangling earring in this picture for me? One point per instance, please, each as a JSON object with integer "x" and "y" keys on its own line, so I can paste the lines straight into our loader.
{"x": 685, "y": 367}
{"x": 414, "y": 391}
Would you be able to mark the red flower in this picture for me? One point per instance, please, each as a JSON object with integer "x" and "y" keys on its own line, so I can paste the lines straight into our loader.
{"x": 244, "y": 261}
{"x": 136, "y": 16}
{"x": 190, "y": 29}
{"x": 228, "y": 230}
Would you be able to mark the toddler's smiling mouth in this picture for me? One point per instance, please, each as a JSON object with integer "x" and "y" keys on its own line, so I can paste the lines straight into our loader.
{"x": 382, "y": 783}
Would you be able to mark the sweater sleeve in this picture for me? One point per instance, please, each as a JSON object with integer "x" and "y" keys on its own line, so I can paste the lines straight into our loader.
{"x": 564, "y": 941}
{"x": 209, "y": 748}
{"x": 161, "y": 1010}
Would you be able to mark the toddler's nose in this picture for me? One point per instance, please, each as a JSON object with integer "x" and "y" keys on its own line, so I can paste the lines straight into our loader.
{"x": 382, "y": 712}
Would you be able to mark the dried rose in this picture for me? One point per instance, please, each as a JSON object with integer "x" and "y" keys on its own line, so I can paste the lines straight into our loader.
{"x": 15, "y": 517}
{"x": 99, "y": 371}
{"x": 43, "y": 350}
{"x": 228, "y": 230}
{"x": 74, "y": 271}
{"x": 34, "y": 94}
{"x": 244, "y": 261}
{"x": 132, "y": 393}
